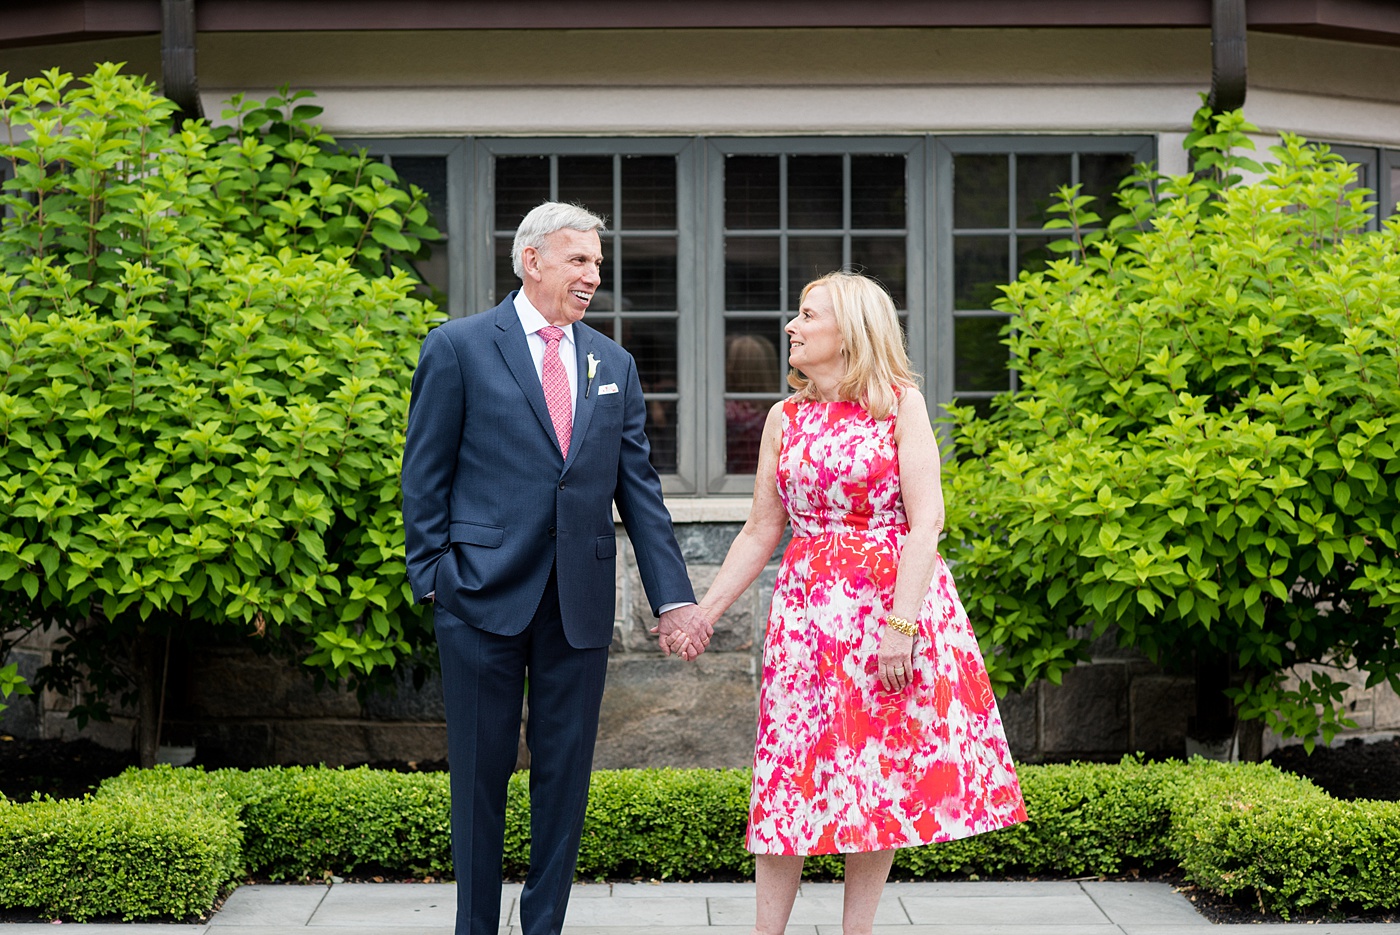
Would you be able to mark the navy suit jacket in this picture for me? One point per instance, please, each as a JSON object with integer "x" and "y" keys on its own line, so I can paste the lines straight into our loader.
{"x": 490, "y": 505}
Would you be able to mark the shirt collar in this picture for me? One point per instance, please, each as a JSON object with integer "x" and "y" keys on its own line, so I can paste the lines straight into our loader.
{"x": 531, "y": 319}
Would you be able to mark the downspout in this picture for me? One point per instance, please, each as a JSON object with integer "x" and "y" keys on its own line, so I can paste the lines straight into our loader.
{"x": 177, "y": 48}
{"x": 1228, "y": 70}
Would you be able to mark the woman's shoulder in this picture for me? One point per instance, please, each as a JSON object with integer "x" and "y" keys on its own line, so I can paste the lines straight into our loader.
{"x": 910, "y": 394}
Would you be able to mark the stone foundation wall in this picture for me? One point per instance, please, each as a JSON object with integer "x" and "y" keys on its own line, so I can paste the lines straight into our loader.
{"x": 239, "y": 707}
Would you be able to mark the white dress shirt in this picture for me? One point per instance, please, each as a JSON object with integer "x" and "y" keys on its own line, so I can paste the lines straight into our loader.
{"x": 532, "y": 321}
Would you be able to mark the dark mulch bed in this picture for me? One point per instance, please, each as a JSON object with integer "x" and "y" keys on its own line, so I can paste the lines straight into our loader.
{"x": 62, "y": 769}
{"x": 1354, "y": 770}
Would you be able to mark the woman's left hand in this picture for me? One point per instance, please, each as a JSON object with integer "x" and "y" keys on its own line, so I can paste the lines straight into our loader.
{"x": 895, "y": 660}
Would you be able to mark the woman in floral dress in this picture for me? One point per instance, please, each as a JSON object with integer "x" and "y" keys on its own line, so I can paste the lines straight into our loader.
{"x": 877, "y": 725}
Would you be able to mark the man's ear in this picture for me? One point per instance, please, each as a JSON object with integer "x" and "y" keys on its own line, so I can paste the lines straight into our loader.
{"x": 530, "y": 263}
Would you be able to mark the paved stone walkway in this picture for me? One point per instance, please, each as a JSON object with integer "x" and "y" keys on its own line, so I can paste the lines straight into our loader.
{"x": 992, "y": 908}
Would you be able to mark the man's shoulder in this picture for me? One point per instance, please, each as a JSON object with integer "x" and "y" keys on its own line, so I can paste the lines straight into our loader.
{"x": 475, "y": 325}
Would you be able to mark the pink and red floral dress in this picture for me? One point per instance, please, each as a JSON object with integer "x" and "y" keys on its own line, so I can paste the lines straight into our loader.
{"x": 841, "y": 765}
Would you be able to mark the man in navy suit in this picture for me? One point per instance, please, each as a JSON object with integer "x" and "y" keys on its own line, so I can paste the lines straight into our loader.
{"x": 525, "y": 427}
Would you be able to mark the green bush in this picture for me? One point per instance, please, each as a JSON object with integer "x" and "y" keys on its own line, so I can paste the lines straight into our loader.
{"x": 1249, "y": 828}
{"x": 159, "y": 850}
{"x": 207, "y": 335}
{"x": 301, "y": 823}
{"x": 666, "y": 823}
{"x": 163, "y": 841}
{"x": 1202, "y": 450}
{"x": 1086, "y": 818}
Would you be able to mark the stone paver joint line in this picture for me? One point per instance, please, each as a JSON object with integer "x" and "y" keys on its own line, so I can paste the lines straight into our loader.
{"x": 940, "y": 908}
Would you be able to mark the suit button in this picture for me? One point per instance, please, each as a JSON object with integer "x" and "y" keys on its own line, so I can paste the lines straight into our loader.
{"x": 551, "y": 532}
{"x": 561, "y": 485}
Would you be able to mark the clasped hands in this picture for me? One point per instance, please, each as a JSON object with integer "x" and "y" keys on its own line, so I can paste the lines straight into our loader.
{"x": 684, "y": 631}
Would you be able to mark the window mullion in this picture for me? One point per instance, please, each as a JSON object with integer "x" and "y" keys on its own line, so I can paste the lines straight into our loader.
{"x": 783, "y": 303}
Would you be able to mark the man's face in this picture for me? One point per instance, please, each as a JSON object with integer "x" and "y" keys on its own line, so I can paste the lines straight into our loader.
{"x": 560, "y": 279}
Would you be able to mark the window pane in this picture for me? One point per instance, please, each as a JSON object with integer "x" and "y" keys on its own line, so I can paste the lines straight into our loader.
{"x": 751, "y": 355}
{"x": 1100, "y": 174}
{"x": 979, "y": 358}
{"x": 751, "y": 280}
{"x": 587, "y": 181}
{"x": 652, "y": 341}
{"x": 506, "y": 279}
{"x": 743, "y": 433}
{"x": 814, "y": 192}
{"x": 430, "y": 174}
{"x": 751, "y": 192}
{"x": 607, "y": 283}
{"x": 980, "y": 190}
{"x": 808, "y": 258}
{"x": 648, "y": 193}
{"x": 886, "y": 259}
{"x": 522, "y": 182}
{"x": 1038, "y": 179}
{"x": 1388, "y": 210}
{"x": 661, "y": 432}
{"x": 980, "y": 264}
{"x": 877, "y": 191}
{"x": 649, "y": 273}
{"x": 432, "y": 270}
{"x": 1033, "y": 253}
{"x": 983, "y": 405}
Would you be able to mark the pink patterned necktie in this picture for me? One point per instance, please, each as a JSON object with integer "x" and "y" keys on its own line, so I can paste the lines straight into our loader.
{"x": 556, "y": 387}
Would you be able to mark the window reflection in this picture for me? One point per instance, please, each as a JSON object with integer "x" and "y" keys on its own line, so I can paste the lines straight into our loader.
{"x": 750, "y": 366}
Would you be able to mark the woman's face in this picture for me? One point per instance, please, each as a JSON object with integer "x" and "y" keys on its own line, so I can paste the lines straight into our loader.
{"x": 814, "y": 338}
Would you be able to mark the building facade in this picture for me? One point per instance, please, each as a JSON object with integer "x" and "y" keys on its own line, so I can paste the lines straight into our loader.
{"x": 739, "y": 148}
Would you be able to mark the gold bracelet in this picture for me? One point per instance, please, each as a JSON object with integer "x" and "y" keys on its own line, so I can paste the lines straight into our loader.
{"x": 900, "y": 625}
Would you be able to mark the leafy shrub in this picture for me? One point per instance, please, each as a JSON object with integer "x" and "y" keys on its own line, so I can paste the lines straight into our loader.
{"x": 301, "y": 823}
{"x": 1250, "y": 829}
{"x": 206, "y": 341}
{"x": 665, "y": 823}
{"x": 1086, "y": 818}
{"x": 135, "y": 853}
{"x": 1202, "y": 450}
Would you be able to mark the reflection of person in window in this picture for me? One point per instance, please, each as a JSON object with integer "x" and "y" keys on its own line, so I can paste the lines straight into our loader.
{"x": 750, "y": 366}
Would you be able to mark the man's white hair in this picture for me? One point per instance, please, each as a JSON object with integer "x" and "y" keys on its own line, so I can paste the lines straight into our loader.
{"x": 544, "y": 220}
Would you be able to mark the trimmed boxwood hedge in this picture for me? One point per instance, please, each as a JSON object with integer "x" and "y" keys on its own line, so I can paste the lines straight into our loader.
{"x": 157, "y": 848}
{"x": 162, "y": 842}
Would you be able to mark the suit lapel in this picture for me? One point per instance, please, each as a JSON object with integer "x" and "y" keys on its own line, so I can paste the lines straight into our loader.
{"x": 583, "y": 409}
{"x": 511, "y": 342}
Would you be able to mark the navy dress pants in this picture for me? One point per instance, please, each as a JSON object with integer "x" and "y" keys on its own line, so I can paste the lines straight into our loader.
{"x": 484, "y": 677}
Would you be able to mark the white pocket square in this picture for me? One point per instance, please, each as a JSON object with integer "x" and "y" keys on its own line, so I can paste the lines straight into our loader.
{"x": 607, "y": 388}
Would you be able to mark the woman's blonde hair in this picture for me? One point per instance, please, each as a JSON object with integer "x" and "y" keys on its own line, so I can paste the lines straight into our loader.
{"x": 876, "y": 361}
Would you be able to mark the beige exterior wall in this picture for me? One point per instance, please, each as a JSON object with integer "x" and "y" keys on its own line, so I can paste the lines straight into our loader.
{"x": 768, "y": 81}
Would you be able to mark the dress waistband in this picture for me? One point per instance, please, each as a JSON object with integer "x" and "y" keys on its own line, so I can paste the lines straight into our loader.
{"x": 853, "y": 530}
